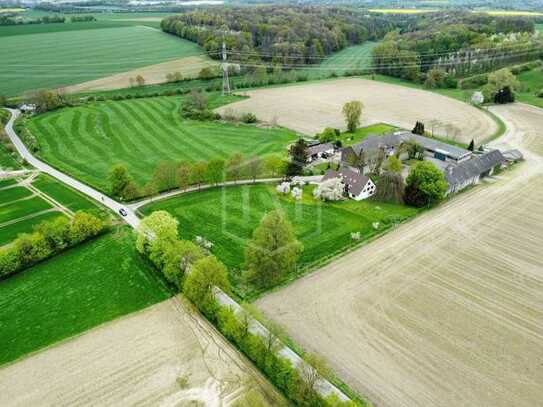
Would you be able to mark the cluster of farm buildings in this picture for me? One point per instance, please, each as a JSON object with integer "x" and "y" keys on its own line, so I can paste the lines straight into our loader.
{"x": 461, "y": 167}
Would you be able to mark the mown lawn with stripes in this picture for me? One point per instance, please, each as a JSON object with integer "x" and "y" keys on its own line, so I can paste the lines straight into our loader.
{"x": 228, "y": 216}
{"x": 87, "y": 141}
{"x": 54, "y": 59}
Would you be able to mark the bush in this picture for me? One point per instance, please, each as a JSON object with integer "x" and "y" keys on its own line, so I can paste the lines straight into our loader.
{"x": 540, "y": 93}
{"x": 426, "y": 185}
{"x": 249, "y": 118}
{"x": 48, "y": 239}
{"x": 475, "y": 81}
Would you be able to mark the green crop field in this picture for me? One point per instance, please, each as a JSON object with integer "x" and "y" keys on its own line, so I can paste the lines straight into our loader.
{"x": 48, "y": 60}
{"x": 75, "y": 291}
{"x": 20, "y": 211}
{"x": 10, "y": 232}
{"x": 12, "y": 194}
{"x": 87, "y": 141}
{"x": 354, "y": 58}
{"x": 64, "y": 195}
{"x": 228, "y": 216}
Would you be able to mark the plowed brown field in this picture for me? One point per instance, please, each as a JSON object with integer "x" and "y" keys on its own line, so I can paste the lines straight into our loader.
{"x": 136, "y": 360}
{"x": 309, "y": 108}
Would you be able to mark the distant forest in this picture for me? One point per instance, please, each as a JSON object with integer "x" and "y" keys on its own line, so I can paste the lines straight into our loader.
{"x": 285, "y": 35}
{"x": 459, "y": 43}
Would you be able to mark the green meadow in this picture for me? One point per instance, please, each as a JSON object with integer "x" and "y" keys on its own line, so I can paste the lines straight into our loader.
{"x": 353, "y": 58}
{"x": 64, "y": 195}
{"x": 73, "y": 292}
{"x": 67, "y": 57}
{"x": 228, "y": 216}
{"x": 87, "y": 141}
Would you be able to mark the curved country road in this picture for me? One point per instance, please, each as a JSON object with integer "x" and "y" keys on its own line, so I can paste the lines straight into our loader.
{"x": 131, "y": 218}
{"x": 115, "y": 206}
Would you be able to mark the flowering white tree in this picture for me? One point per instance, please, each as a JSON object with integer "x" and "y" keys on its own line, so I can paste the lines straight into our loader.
{"x": 283, "y": 188}
{"x": 203, "y": 243}
{"x": 297, "y": 193}
{"x": 330, "y": 190}
{"x": 477, "y": 98}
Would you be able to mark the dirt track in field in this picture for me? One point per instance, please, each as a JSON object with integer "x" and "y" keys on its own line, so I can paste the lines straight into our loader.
{"x": 447, "y": 310}
{"x": 309, "y": 108}
{"x": 136, "y": 360}
{"x": 153, "y": 74}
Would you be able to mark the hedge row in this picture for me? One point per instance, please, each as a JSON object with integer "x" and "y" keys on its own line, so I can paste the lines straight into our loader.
{"x": 297, "y": 385}
{"x": 48, "y": 239}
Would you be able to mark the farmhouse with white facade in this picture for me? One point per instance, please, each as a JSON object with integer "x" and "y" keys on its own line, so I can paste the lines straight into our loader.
{"x": 357, "y": 186}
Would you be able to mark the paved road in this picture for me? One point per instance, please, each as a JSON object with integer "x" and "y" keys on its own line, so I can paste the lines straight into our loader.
{"x": 165, "y": 195}
{"x": 131, "y": 218}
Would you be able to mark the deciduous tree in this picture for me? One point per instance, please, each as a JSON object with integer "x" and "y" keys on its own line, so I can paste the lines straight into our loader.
{"x": 273, "y": 250}
{"x": 255, "y": 167}
{"x": 199, "y": 173}
{"x": 184, "y": 175}
{"x": 206, "y": 273}
{"x": 352, "y": 111}
{"x": 234, "y": 166}
{"x": 215, "y": 171}
{"x": 426, "y": 185}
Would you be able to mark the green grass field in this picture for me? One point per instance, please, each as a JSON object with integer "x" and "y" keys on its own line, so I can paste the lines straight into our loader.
{"x": 20, "y": 209}
{"x": 10, "y": 232}
{"x": 64, "y": 195}
{"x": 7, "y": 158}
{"x": 20, "y": 212}
{"x": 354, "y": 58}
{"x": 87, "y": 141}
{"x": 54, "y": 59}
{"x": 531, "y": 83}
{"x": 348, "y": 139}
{"x": 75, "y": 291}
{"x": 539, "y": 27}
{"x": 228, "y": 216}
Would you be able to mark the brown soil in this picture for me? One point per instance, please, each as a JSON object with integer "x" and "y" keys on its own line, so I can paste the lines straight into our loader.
{"x": 153, "y": 74}
{"x": 309, "y": 108}
{"x": 137, "y": 360}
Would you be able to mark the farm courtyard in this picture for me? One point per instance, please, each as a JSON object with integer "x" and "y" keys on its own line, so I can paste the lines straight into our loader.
{"x": 445, "y": 310}
{"x": 309, "y": 108}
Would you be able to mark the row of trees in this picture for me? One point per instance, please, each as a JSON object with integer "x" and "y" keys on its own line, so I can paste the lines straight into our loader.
{"x": 170, "y": 175}
{"x": 198, "y": 273}
{"x": 49, "y": 238}
{"x": 15, "y": 20}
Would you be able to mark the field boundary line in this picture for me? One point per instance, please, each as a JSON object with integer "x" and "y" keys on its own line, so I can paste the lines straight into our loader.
{"x": 33, "y": 215}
